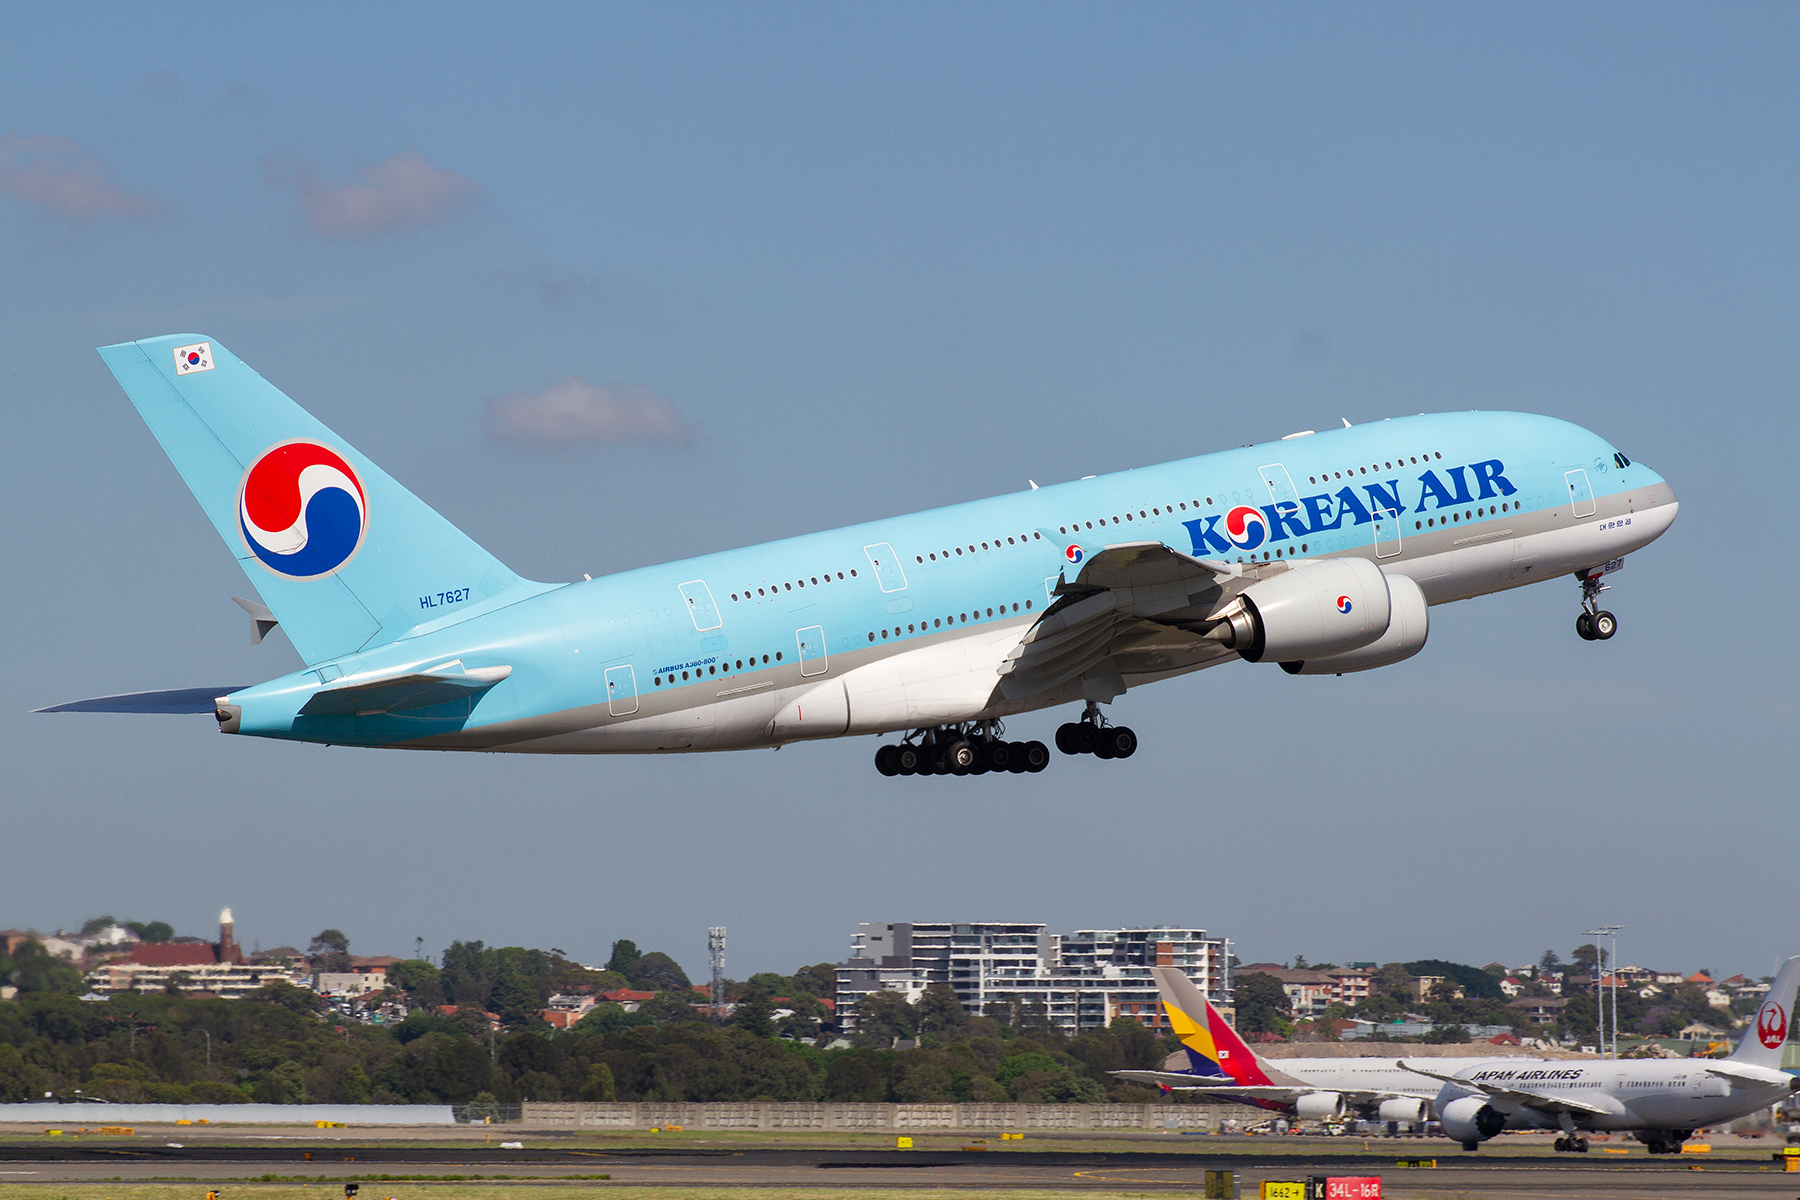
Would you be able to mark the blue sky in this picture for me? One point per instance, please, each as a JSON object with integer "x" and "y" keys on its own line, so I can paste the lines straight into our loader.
{"x": 815, "y": 264}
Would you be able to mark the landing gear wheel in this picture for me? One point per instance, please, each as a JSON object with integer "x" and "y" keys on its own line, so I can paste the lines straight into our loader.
{"x": 1579, "y": 1146}
{"x": 999, "y": 756}
{"x": 1103, "y": 747}
{"x": 1086, "y": 738}
{"x": 1604, "y": 625}
{"x": 884, "y": 761}
{"x": 1019, "y": 765}
{"x": 1120, "y": 742}
{"x": 959, "y": 757}
{"x": 907, "y": 759}
{"x": 1477, "y": 1146}
{"x": 1065, "y": 738}
{"x": 1036, "y": 756}
{"x": 1584, "y": 627}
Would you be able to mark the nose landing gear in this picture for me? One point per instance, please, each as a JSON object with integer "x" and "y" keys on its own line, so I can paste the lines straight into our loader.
{"x": 1594, "y": 624}
{"x": 1094, "y": 735}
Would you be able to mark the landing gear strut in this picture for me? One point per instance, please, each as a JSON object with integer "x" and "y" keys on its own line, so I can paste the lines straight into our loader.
{"x": 972, "y": 748}
{"x": 1594, "y": 624}
{"x": 1094, "y": 735}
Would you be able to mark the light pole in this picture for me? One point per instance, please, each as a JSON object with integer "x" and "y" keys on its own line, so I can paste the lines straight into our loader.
{"x": 1609, "y": 1047}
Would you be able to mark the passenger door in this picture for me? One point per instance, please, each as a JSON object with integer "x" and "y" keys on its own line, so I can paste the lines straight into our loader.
{"x": 813, "y": 660}
{"x": 1581, "y": 495}
{"x": 1387, "y": 532}
{"x": 621, "y": 691}
{"x": 887, "y": 567}
{"x": 700, "y": 606}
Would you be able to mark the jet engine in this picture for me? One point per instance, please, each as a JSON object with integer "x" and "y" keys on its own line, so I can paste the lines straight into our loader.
{"x": 1471, "y": 1119}
{"x": 1319, "y": 1106}
{"x": 1407, "y": 1111}
{"x": 1318, "y": 609}
{"x": 1404, "y": 638}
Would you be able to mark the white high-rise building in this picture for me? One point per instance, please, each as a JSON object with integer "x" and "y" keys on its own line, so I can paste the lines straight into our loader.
{"x": 1083, "y": 980}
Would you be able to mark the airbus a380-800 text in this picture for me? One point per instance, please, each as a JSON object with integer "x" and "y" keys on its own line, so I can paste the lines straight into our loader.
{"x": 1320, "y": 552}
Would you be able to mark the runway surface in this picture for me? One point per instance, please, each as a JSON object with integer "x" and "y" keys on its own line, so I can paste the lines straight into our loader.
{"x": 1495, "y": 1176}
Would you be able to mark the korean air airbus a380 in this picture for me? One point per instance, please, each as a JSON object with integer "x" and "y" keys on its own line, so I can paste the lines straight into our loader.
{"x": 1320, "y": 552}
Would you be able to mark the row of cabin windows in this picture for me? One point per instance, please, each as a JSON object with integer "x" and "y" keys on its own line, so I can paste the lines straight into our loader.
{"x": 657, "y": 680}
{"x": 1380, "y": 466}
{"x": 1467, "y": 514}
{"x": 1183, "y": 505}
{"x": 940, "y": 622}
{"x": 945, "y": 554}
{"x": 1077, "y": 526}
{"x": 792, "y": 584}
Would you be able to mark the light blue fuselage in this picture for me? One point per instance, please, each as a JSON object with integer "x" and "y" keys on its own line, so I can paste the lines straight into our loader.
{"x": 711, "y": 652}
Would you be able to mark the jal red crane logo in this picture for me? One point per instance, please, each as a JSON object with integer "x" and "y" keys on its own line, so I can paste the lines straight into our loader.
{"x": 1771, "y": 1025}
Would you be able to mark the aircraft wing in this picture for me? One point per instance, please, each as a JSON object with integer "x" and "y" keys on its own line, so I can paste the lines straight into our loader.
{"x": 396, "y": 693}
{"x": 1225, "y": 1085}
{"x": 181, "y": 700}
{"x": 1513, "y": 1096}
{"x": 1136, "y": 608}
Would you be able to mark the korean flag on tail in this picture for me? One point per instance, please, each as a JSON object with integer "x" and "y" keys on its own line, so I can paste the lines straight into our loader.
{"x": 197, "y": 357}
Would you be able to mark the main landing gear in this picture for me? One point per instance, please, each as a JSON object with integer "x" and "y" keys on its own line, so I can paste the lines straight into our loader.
{"x": 975, "y": 748}
{"x": 1094, "y": 735}
{"x": 1571, "y": 1145}
{"x": 1594, "y": 624}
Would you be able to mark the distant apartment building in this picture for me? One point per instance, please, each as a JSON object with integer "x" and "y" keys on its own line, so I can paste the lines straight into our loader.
{"x": 1083, "y": 980}
{"x": 195, "y": 967}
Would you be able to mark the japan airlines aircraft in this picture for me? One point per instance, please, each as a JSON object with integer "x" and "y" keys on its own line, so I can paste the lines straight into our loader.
{"x": 1659, "y": 1101}
{"x": 1313, "y": 1089}
{"x": 1320, "y": 552}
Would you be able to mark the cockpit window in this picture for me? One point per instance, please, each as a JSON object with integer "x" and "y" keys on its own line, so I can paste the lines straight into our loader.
{"x": 1621, "y": 461}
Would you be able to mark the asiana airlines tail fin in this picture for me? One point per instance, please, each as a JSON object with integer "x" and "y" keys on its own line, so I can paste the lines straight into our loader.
{"x": 345, "y": 557}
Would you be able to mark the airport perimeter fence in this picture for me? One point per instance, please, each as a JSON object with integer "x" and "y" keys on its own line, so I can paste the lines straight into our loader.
{"x": 783, "y": 1115}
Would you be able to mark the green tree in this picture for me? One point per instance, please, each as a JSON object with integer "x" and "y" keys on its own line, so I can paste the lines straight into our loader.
{"x": 852, "y": 1078}
{"x": 939, "y": 1008}
{"x": 419, "y": 981}
{"x": 669, "y": 1008}
{"x": 1262, "y": 1003}
{"x": 330, "y": 951}
{"x": 599, "y": 1085}
{"x": 755, "y": 1016}
{"x": 1550, "y": 964}
{"x": 151, "y": 931}
{"x": 34, "y": 969}
{"x": 817, "y": 980}
{"x": 882, "y": 1016}
{"x": 94, "y": 925}
{"x": 1587, "y": 959}
{"x": 657, "y": 972}
{"x": 624, "y": 953}
{"x": 609, "y": 1018}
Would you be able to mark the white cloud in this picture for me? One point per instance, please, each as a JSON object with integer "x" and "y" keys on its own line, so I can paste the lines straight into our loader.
{"x": 574, "y": 410}
{"x": 57, "y": 174}
{"x": 401, "y": 192}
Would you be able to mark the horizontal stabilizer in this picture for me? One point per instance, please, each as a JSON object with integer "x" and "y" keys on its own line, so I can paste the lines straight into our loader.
{"x": 397, "y": 693}
{"x": 261, "y": 619}
{"x": 181, "y": 700}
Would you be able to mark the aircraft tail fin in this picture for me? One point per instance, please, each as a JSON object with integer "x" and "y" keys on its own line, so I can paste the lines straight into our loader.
{"x": 1762, "y": 1041}
{"x": 345, "y": 557}
{"x": 1213, "y": 1046}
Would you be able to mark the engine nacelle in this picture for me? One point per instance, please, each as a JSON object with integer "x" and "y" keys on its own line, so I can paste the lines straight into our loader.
{"x": 1319, "y": 608}
{"x": 1405, "y": 636}
{"x": 1406, "y": 1111}
{"x": 1319, "y": 1106}
{"x": 1471, "y": 1119}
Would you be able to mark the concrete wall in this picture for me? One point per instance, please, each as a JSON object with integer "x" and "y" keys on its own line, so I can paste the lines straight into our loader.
{"x": 765, "y": 1115}
{"x": 227, "y": 1114}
